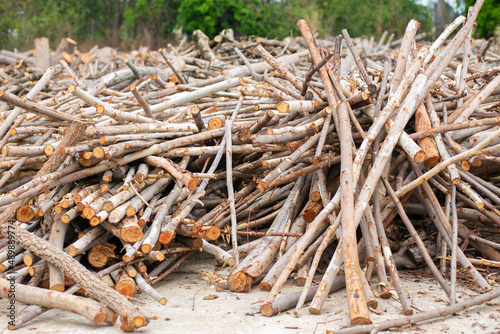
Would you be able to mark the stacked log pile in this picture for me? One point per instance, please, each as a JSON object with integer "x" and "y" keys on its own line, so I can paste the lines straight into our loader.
{"x": 334, "y": 158}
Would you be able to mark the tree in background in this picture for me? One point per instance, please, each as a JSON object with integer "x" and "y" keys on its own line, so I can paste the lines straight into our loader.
{"x": 132, "y": 23}
{"x": 145, "y": 21}
{"x": 488, "y": 19}
{"x": 246, "y": 17}
{"x": 364, "y": 17}
{"x": 22, "y": 21}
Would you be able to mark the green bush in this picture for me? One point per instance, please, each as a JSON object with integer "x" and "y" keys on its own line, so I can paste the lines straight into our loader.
{"x": 246, "y": 17}
{"x": 488, "y": 19}
{"x": 145, "y": 22}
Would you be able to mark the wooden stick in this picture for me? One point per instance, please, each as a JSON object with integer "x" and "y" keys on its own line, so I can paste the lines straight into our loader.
{"x": 230, "y": 189}
{"x": 186, "y": 177}
{"x": 371, "y": 87}
{"x": 144, "y": 286}
{"x": 36, "y": 108}
{"x": 358, "y": 309}
{"x": 142, "y": 102}
{"x": 85, "y": 307}
{"x": 4, "y": 127}
{"x": 131, "y": 317}
{"x": 417, "y": 239}
{"x": 441, "y": 312}
{"x": 411, "y": 30}
{"x": 454, "y": 240}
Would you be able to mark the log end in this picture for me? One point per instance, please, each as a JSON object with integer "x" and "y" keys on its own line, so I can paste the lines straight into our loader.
{"x": 215, "y": 123}
{"x": 25, "y": 214}
{"x": 72, "y": 250}
{"x": 65, "y": 218}
{"x": 112, "y": 318}
{"x": 97, "y": 259}
{"x": 283, "y": 107}
{"x": 240, "y": 282}
{"x": 372, "y": 302}
{"x": 419, "y": 157}
{"x": 146, "y": 248}
{"x": 28, "y": 259}
{"x": 360, "y": 321}
{"x": 465, "y": 165}
{"x": 99, "y": 318}
{"x": 129, "y": 211}
{"x": 127, "y": 258}
{"x": 309, "y": 216}
{"x": 262, "y": 185}
{"x": 408, "y": 312}
{"x": 131, "y": 234}
{"x": 301, "y": 281}
{"x": 94, "y": 221}
{"x": 231, "y": 261}
{"x": 193, "y": 182}
{"x": 265, "y": 286}
{"x": 131, "y": 272}
{"x": 139, "y": 321}
{"x": 157, "y": 256}
{"x": 115, "y": 216}
{"x": 48, "y": 150}
{"x": 302, "y": 24}
{"x": 476, "y": 161}
{"x": 98, "y": 152}
{"x": 193, "y": 242}
{"x": 212, "y": 233}
{"x": 165, "y": 237}
{"x": 314, "y": 310}
{"x": 126, "y": 325}
{"x": 267, "y": 310}
{"x": 315, "y": 196}
{"x": 88, "y": 213}
{"x": 57, "y": 287}
{"x": 108, "y": 206}
{"x": 126, "y": 287}
{"x": 244, "y": 134}
{"x": 431, "y": 162}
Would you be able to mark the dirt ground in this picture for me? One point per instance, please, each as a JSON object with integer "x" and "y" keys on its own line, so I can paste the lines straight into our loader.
{"x": 239, "y": 313}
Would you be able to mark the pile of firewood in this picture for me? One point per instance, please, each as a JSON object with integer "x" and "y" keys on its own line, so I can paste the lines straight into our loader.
{"x": 334, "y": 158}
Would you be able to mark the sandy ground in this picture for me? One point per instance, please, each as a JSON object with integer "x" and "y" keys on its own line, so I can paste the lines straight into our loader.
{"x": 239, "y": 313}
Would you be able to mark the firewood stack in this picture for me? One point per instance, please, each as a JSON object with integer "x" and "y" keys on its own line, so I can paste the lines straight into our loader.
{"x": 334, "y": 158}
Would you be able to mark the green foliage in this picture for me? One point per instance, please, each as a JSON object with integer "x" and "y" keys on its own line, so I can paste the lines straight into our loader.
{"x": 363, "y": 18}
{"x": 212, "y": 16}
{"x": 146, "y": 22}
{"x": 22, "y": 21}
{"x": 488, "y": 18}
